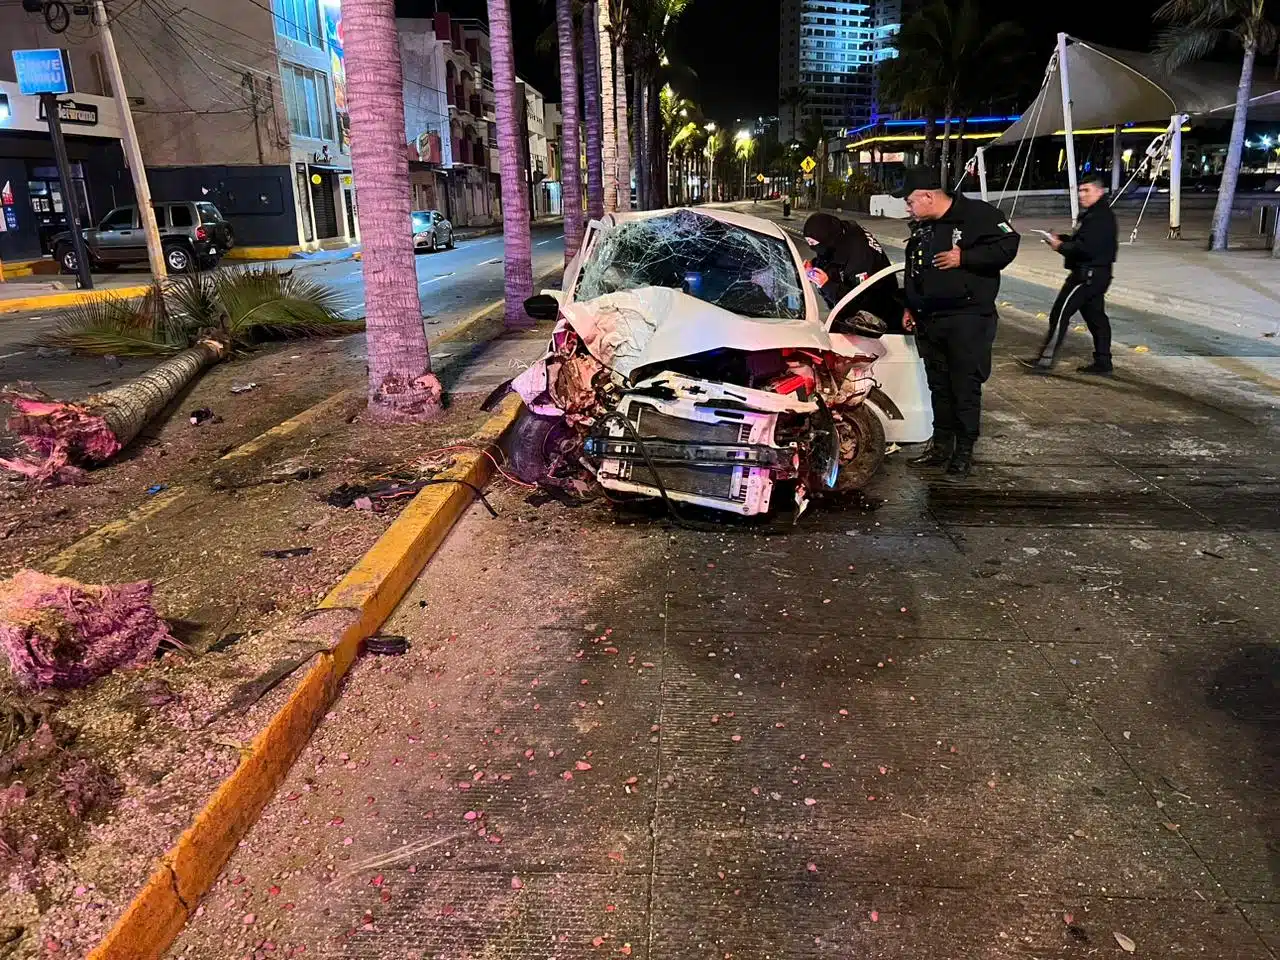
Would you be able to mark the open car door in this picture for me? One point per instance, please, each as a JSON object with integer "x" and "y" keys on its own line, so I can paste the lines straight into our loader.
{"x": 901, "y": 396}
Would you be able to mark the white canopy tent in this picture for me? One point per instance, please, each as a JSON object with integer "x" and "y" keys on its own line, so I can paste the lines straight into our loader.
{"x": 1088, "y": 86}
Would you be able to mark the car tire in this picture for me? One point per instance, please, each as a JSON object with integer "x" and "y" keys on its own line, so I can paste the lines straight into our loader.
{"x": 179, "y": 259}
{"x": 66, "y": 257}
{"x": 864, "y": 428}
{"x": 449, "y": 243}
{"x": 530, "y": 445}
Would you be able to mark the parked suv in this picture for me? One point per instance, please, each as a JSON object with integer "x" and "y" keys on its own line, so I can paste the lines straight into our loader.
{"x": 193, "y": 234}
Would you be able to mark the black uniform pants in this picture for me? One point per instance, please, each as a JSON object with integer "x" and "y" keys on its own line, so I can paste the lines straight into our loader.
{"x": 956, "y": 350}
{"x": 1084, "y": 291}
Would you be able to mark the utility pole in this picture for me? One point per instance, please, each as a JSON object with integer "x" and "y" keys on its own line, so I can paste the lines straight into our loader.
{"x": 133, "y": 152}
{"x": 70, "y": 200}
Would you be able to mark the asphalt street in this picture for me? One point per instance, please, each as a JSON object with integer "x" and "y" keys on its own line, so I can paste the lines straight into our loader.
{"x": 452, "y": 284}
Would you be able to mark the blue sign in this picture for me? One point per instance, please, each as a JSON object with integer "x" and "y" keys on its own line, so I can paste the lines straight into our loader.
{"x": 43, "y": 71}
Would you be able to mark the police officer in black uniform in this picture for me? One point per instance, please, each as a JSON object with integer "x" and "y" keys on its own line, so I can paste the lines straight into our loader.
{"x": 957, "y": 249}
{"x": 1090, "y": 254}
{"x": 845, "y": 254}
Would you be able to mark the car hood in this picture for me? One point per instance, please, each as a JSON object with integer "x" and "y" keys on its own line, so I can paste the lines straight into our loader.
{"x": 635, "y": 328}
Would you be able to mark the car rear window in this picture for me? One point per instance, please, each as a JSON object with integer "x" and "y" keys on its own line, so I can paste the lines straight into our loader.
{"x": 180, "y": 216}
{"x": 209, "y": 213}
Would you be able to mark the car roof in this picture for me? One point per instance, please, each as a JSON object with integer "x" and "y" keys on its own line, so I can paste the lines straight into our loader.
{"x": 744, "y": 220}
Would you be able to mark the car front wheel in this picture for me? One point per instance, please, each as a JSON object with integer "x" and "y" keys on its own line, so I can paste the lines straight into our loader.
{"x": 67, "y": 260}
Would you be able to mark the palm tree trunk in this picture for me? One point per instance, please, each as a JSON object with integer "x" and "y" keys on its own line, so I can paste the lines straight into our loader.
{"x": 946, "y": 144}
{"x": 1235, "y": 150}
{"x": 624, "y": 139}
{"x": 609, "y": 128}
{"x": 930, "y": 141}
{"x": 641, "y": 135}
{"x": 517, "y": 270}
{"x": 591, "y": 103}
{"x": 657, "y": 147}
{"x": 570, "y": 171}
{"x": 62, "y": 436}
{"x": 401, "y": 386}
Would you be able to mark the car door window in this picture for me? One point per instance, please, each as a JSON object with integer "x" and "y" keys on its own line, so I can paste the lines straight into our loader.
{"x": 119, "y": 219}
{"x": 159, "y": 211}
{"x": 180, "y": 216}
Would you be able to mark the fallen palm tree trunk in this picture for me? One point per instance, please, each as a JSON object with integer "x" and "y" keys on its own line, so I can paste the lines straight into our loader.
{"x": 60, "y": 439}
{"x": 58, "y": 632}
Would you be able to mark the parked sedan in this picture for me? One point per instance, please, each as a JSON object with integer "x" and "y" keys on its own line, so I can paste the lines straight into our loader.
{"x": 431, "y": 231}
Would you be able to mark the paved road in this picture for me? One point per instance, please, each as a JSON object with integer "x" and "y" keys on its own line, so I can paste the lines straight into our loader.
{"x": 451, "y": 284}
{"x": 1010, "y": 718}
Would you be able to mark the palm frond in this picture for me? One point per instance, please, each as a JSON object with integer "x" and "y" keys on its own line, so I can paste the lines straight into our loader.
{"x": 1178, "y": 46}
{"x": 193, "y": 298}
{"x": 270, "y": 304}
{"x": 114, "y": 326}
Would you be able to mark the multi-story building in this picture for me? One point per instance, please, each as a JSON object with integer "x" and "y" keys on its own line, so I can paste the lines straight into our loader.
{"x": 241, "y": 102}
{"x": 828, "y": 52}
{"x": 539, "y": 169}
{"x": 449, "y": 117}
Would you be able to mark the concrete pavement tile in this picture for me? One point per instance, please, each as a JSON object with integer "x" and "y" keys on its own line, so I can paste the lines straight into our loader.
{"x": 844, "y": 585}
{"x": 1199, "y": 724}
{"x": 819, "y": 917}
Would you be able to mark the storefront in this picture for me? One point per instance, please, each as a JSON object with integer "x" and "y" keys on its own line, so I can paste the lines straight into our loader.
{"x": 31, "y": 192}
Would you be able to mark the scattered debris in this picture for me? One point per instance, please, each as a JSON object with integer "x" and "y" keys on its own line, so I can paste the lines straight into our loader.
{"x": 203, "y": 415}
{"x": 1127, "y": 945}
{"x": 156, "y": 488}
{"x": 243, "y": 387}
{"x": 247, "y": 694}
{"x": 287, "y": 554}
{"x": 58, "y": 632}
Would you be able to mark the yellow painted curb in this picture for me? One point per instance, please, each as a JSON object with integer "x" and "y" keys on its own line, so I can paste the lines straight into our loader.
{"x": 61, "y": 562}
{"x": 53, "y": 301}
{"x": 372, "y": 588}
{"x": 261, "y": 253}
{"x": 292, "y": 425}
{"x": 18, "y": 268}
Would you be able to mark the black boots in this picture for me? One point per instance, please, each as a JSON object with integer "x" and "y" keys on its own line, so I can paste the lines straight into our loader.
{"x": 936, "y": 452}
{"x": 961, "y": 464}
{"x": 1100, "y": 369}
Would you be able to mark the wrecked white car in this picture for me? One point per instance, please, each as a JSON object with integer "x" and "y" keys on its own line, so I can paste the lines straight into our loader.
{"x": 691, "y": 362}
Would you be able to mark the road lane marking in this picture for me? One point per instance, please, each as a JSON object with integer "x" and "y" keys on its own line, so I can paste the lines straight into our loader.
{"x": 488, "y": 262}
{"x": 438, "y": 277}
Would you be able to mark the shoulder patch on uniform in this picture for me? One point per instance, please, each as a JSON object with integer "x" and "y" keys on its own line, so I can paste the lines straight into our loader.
{"x": 1005, "y": 227}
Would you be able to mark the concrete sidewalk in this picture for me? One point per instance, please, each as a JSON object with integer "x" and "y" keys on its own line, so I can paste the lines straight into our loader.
{"x": 1006, "y": 719}
{"x": 1238, "y": 292}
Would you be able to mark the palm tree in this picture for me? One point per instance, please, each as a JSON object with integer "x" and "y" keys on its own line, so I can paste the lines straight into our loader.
{"x": 744, "y": 148}
{"x": 591, "y": 103}
{"x": 716, "y": 143}
{"x": 1195, "y": 28}
{"x": 619, "y": 25}
{"x": 797, "y": 99}
{"x": 570, "y": 170}
{"x": 194, "y": 322}
{"x": 945, "y": 57}
{"x": 650, "y": 28}
{"x": 402, "y": 387}
{"x": 517, "y": 270}
{"x": 608, "y": 110}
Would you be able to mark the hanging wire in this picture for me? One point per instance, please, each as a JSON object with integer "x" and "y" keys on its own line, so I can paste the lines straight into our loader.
{"x": 1037, "y": 109}
{"x": 1026, "y": 161}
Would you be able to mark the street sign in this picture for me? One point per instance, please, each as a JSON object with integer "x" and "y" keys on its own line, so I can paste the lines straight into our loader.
{"x": 759, "y": 178}
{"x": 807, "y": 164}
{"x": 43, "y": 71}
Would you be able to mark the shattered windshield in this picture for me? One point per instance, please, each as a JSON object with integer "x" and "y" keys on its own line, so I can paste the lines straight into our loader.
{"x": 736, "y": 269}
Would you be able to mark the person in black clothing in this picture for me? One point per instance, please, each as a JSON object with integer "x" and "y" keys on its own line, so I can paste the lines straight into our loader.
{"x": 1089, "y": 254}
{"x": 846, "y": 254}
{"x": 955, "y": 254}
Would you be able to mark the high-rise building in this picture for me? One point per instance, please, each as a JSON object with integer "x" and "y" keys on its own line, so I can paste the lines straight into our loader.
{"x": 827, "y": 58}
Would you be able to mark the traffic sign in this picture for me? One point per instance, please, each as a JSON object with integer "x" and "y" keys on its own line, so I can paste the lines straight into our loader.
{"x": 759, "y": 178}
{"x": 807, "y": 164}
{"x": 43, "y": 71}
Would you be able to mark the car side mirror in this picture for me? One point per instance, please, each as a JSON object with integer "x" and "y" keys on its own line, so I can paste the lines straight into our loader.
{"x": 542, "y": 306}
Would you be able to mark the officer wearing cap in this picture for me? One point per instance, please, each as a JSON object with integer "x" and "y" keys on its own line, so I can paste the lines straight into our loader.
{"x": 957, "y": 249}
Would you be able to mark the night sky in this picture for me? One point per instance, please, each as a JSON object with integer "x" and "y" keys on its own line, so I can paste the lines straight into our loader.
{"x": 731, "y": 45}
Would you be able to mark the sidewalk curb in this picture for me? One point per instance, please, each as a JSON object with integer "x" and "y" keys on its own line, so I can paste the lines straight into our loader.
{"x": 372, "y": 588}
{"x": 71, "y": 298}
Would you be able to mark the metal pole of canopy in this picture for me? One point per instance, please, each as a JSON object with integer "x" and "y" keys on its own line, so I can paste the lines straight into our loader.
{"x": 1175, "y": 176}
{"x": 1117, "y": 163}
{"x": 1065, "y": 82}
{"x": 982, "y": 171}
